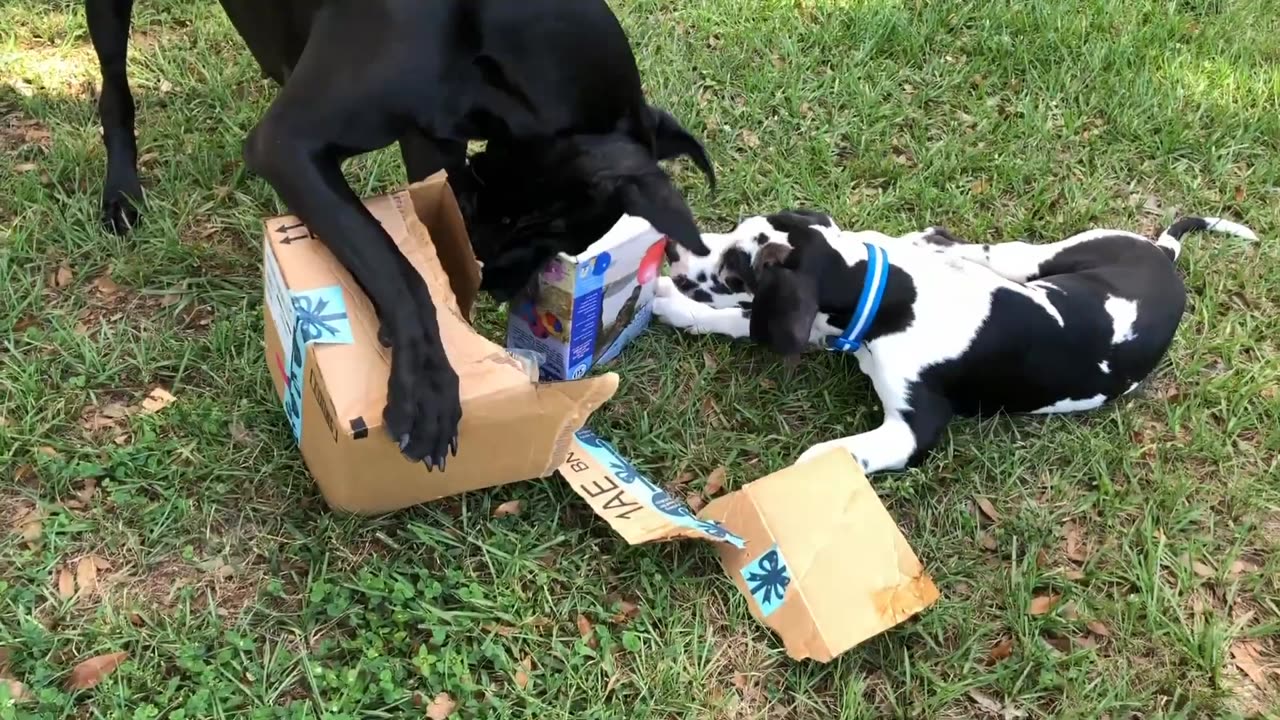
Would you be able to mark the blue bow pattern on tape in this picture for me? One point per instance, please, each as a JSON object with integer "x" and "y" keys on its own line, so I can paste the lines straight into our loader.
{"x": 319, "y": 316}
{"x": 646, "y": 492}
{"x": 768, "y": 578}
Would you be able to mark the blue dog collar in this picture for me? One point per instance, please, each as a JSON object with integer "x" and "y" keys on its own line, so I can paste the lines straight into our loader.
{"x": 868, "y": 303}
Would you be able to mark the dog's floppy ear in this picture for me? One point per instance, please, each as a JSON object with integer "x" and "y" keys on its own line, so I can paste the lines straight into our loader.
{"x": 655, "y": 198}
{"x": 674, "y": 141}
{"x": 784, "y": 308}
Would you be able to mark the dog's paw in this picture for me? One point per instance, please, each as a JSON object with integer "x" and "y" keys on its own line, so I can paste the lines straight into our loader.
{"x": 670, "y": 311}
{"x": 423, "y": 407}
{"x": 666, "y": 287}
{"x": 823, "y": 448}
{"x": 120, "y": 213}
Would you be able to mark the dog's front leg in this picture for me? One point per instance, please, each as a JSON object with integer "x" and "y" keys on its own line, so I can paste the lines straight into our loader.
{"x": 424, "y": 156}
{"x": 423, "y": 408}
{"x": 677, "y": 310}
{"x": 909, "y": 431}
{"x": 121, "y": 192}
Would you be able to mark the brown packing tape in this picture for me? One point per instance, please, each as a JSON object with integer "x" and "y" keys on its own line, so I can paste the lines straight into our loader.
{"x": 849, "y": 572}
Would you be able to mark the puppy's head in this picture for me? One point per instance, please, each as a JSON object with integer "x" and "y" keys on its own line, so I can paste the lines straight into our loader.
{"x": 776, "y": 265}
{"x": 526, "y": 202}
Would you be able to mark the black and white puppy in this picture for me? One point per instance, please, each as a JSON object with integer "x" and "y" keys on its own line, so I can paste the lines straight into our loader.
{"x": 943, "y": 327}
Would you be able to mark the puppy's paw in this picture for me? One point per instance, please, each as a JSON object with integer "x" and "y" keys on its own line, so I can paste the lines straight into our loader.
{"x": 666, "y": 287}
{"x": 670, "y": 311}
{"x": 823, "y": 448}
{"x": 423, "y": 407}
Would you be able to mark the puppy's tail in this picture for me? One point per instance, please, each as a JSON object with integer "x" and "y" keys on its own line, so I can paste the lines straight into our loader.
{"x": 1171, "y": 239}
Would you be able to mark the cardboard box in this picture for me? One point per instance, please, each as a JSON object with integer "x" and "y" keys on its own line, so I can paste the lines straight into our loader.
{"x": 582, "y": 310}
{"x": 815, "y": 552}
{"x": 331, "y": 372}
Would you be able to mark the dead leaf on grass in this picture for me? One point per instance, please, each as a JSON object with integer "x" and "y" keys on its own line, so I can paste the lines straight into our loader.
{"x": 62, "y": 276}
{"x": 25, "y": 167}
{"x": 587, "y": 631}
{"x": 740, "y": 682}
{"x": 715, "y": 482}
{"x": 157, "y": 400}
{"x": 522, "y": 674}
{"x": 1002, "y": 650}
{"x": 1243, "y": 567}
{"x": 1097, "y": 628}
{"x": 1073, "y": 575}
{"x": 18, "y": 692}
{"x": 1200, "y": 569}
{"x": 441, "y": 707}
{"x": 66, "y": 584}
{"x": 93, "y": 671}
{"x": 1248, "y": 658}
{"x": 1075, "y": 543}
{"x": 509, "y": 508}
{"x": 1240, "y": 193}
{"x": 627, "y": 611}
{"x": 695, "y": 502}
{"x": 1087, "y": 642}
{"x": 986, "y": 702}
{"x": 106, "y": 285}
{"x": 988, "y": 509}
{"x": 1042, "y": 604}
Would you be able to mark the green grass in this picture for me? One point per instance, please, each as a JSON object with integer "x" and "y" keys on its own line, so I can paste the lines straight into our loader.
{"x": 237, "y": 594}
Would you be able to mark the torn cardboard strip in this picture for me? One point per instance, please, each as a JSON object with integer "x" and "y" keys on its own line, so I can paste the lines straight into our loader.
{"x": 816, "y": 553}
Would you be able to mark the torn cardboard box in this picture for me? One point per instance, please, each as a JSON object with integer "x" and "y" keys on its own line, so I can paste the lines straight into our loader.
{"x": 331, "y": 372}
{"x": 582, "y": 310}
{"x": 813, "y": 549}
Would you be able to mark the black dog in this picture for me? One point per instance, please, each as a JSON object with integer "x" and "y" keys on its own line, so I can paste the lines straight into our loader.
{"x": 552, "y": 83}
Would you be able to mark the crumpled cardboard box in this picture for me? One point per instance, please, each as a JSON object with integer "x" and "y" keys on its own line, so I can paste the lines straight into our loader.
{"x": 331, "y": 372}
{"x": 811, "y": 547}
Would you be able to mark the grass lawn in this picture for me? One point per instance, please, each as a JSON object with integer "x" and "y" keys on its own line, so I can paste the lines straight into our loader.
{"x": 209, "y": 558}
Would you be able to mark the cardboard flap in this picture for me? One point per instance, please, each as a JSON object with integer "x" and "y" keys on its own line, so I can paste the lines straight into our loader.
{"x": 825, "y": 565}
{"x": 636, "y": 508}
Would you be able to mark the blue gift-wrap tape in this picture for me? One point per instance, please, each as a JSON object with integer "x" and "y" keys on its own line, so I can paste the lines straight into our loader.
{"x": 320, "y": 316}
{"x": 645, "y": 491}
{"x": 768, "y": 578}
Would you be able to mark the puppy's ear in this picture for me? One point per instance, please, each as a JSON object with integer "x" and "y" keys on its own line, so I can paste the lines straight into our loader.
{"x": 674, "y": 141}
{"x": 783, "y": 310}
{"x": 655, "y": 198}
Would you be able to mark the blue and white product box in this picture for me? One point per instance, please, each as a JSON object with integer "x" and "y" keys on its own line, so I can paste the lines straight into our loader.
{"x": 582, "y": 310}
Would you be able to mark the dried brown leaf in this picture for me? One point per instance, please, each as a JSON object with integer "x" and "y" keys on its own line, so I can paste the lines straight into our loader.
{"x": 106, "y": 285}
{"x": 62, "y": 276}
{"x": 18, "y": 692}
{"x": 522, "y": 674}
{"x": 1240, "y": 193}
{"x": 1075, "y": 543}
{"x": 715, "y": 482}
{"x": 441, "y": 707}
{"x": 1060, "y": 643}
{"x": 1073, "y": 575}
{"x": 1097, "y": 628}
{"x": 1201, "y": 569}
{"x": 1248, "y": 658}
{"x": 66, "y": 584}
{"x": 87, "y": 575}
{"x": 89, "y": 673}
{"x": 627, "y": 611}
{"x": 1243, "y": 567}
{"x": 509, "y": 508}
{"x": 25, "y": 167}
{"x": 157, "y": 400}
{"x": 740, "y": 681}
{"x": 986, "y": 702}
{"x": 587, "y": 631}
{"x": 988, "y": 509}
{"x": 1002, "y": 650}
{"x": 1042, "y": 604}
{"x": 695, "y": 502}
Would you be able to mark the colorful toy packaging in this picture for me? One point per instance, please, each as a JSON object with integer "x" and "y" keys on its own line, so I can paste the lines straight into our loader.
{"x": 583, "y": 310}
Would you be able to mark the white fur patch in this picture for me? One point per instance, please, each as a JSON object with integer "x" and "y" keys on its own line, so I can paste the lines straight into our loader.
{"x": 1124, "y": 313}
{"x": 1070, "y": 406}
{"x": 1105, "y": 367}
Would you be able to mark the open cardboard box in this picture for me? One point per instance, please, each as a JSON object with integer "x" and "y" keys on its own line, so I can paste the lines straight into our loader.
{"x": 817, "y": 555}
